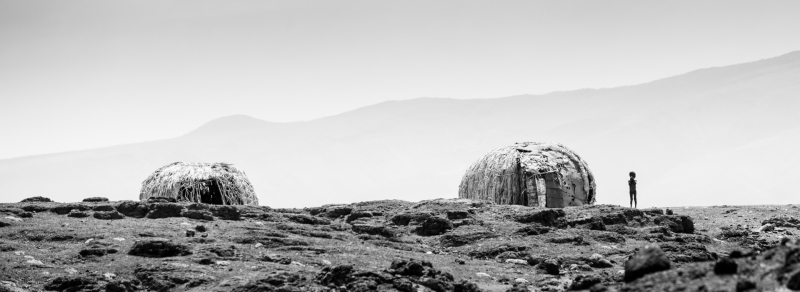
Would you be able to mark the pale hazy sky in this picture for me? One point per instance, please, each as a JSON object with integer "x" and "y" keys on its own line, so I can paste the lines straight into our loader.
{"x": 85, "y": 74}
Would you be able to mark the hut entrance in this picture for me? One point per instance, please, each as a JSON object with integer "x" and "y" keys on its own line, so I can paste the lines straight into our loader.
{"x": 209, "y": 193}
{"x": 543, "y": 190}
{"x": 213, "y": 195}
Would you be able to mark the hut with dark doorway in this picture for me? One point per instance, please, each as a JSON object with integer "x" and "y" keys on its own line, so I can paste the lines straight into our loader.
{"x": 531, "y": 174}
{"x": 210, "y": 183}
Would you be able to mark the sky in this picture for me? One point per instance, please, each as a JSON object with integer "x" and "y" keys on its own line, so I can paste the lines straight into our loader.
{"x": 86, "y": 74}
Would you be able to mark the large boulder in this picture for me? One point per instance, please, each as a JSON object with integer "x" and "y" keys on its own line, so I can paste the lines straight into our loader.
{"x": 647, "y": 260}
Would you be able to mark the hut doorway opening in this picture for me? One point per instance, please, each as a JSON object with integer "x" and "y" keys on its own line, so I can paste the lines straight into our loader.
{"x": 208, "y": 190}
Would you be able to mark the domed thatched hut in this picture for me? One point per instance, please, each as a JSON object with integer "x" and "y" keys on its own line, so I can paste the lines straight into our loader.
{"x": 531, "y": 174}
{"x": 211, "y": 183}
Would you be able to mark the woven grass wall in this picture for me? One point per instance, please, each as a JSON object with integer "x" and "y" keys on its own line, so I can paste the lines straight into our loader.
{"x": 189, "y": 181}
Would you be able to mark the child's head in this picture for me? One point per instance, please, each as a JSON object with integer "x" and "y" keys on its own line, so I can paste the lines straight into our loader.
{"x": 632, "y": 174}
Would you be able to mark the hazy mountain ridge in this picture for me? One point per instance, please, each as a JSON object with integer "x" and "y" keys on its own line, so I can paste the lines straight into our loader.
{"x": 419, "y": 148}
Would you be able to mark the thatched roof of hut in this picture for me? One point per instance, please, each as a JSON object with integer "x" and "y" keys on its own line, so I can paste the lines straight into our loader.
{"x": 500, "y": 175}
{"x": 192, "y": 181}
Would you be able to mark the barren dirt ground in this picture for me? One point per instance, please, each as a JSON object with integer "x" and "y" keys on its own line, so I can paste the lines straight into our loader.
{"x": 438, "y": 245}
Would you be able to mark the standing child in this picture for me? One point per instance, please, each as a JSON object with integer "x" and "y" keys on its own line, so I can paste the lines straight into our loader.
{"x": 632, "y": 187}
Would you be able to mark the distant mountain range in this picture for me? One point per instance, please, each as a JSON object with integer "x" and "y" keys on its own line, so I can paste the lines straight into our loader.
{"x": 726, "y": 135}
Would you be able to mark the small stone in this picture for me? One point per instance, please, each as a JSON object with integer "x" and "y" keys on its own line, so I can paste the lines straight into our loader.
{"x": 34, "y": 262}
{"x": 19, "y": 253}
{"x": 551, "y": 267}
{"x": 200, "y": 228}
{"x": 517, "y": 262}
{"x": 647, "y": 260}
{"x": 669, "y": 212}
{"x": 12, "y": 218}
{"x": 725, "y": 266}
{"x": 206, "y": 261}
{"x": 745, "y": 285}
{"x": 521, "y": 281}
{"x": 119, "y": 239}
{"x": 258, "y": 244}
{"x": 109, "y": 276}
{"x": 70, "y": 271}
{"x": 483, "y": 275}
{"x": 190, "y": 233}
{"x": 326, "y": 262}
{"x": 794, "y": 282}
{"x": 603, "y": 263}
{"x": 223, "y": 263}
{"x": 460, "y": 261}
{"x": 767, "y": 227}
{"x": 179, "y": 265}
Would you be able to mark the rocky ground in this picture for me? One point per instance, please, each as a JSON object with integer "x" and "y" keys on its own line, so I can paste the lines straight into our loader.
{"x": 438, "y": 245}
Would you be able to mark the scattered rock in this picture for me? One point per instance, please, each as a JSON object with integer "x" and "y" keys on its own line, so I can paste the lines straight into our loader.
{"x": 533, "y": 229}
{"x": 373, "y": 230}
{"x": 35, "y": 208}
{"x": 649, "y": 259}
{"x": 97, "y": 251}
{"x": 546, "y": 217}
{"x": 110, "y": 215}
{"x": 158, "y": 248}
{"x": 226, "y": 212}
{"x": 550, "y": 266}
{"x": 37, "y": 199}
{"x": 465, "y": 286}
{"x": 164, "y": 210}
{"x": 103, "y": 208}
{"x": 745, "y": 285}
{"x": 726, "y": 266}
{"x": 307, "y": 219}
{"x": 783, "y": 221}
{"x": 517, "y": 262}
{"x": 274, "y": 258}
{"x": 653, "y": 212}
{"x": 337, "y": 211}
{"x": 71, "y": 283}
{"x": 190, "y": 233}
{"x": 483, "y": 275}
{"x": 66, "y": 208}
{"x": 412, "y": 217}
{"x": 133, "y": 209}
{"x": 459, "y": 239}
{"x": 223, "y": 252}
{"x": 457, "y": 214}
{"x": 767, "y": 227}
{"x": 121, "y": 286}
{"x": 434, "y": 226}
{"x": 198, "y": 214}
{"x": 7, "y": 286}
{"x": 676, "y": 223}
{"x": 96, "y": 199}
{"x": 582, "y": 282}
{"x": 161, "y": 200}
{"x": 358, "y": 215}
{"x": 794, "y": 281}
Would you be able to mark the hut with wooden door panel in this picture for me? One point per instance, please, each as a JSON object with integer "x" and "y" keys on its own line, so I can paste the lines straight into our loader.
{"x": 531, "y": 174}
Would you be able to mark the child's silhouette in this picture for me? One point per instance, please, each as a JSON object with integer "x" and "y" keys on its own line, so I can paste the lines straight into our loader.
{"x": 632, "y": 186}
